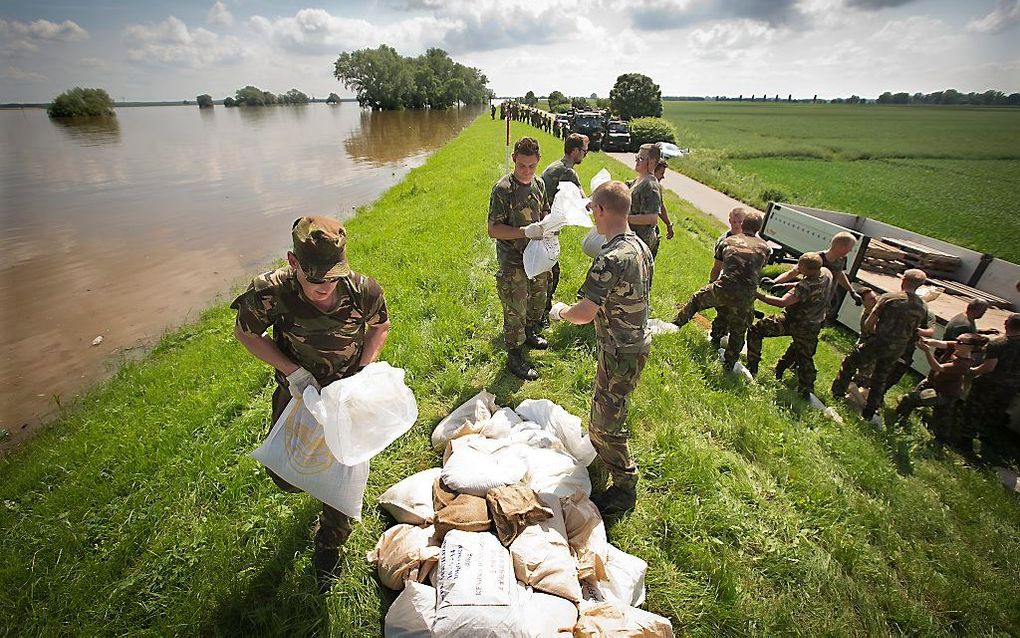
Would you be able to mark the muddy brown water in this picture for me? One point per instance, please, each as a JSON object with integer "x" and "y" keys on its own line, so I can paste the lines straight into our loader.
{"x": 128, "y": 227}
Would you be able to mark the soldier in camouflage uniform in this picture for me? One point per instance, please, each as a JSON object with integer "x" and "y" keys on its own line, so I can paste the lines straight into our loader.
{"x": 646, "y": 198}
{"x": 891, "y": 326}
{"x": 575, "y": 149}
{"x": 328, "y": 322}
{"x": 803, "y": 318}
{"x": 735, "y": 218}
{"x": 516, "y": 205}
{"x": 615, "y": 295}
{"x": 740, "y": 258}
{"x": 987, "y": 405}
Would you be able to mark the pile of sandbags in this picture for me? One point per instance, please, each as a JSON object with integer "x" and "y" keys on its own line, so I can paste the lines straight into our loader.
{"x": 503, "y": 540}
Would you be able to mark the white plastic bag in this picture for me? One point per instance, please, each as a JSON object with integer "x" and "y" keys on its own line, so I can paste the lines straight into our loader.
{"x": 476, "y": 589}
{"x": 660, "y": 327}
{"x": 469, "y": 471}
{"x": 598, "y": 179}
{"x": 364, "y": 413}
{"x": 738, "y": 368}
{"x": 569, "y": 208}
{"x": 410, "y": 500}
{"x": 297, "y": 452}
{"x": 411, "y": 615}
{"x": 477, "y": 408}
{"x": 563, "y": 424}
{"x": 541, "y": 255}
{"x": 824, "y": 409}
{"x": 592, "y": 243}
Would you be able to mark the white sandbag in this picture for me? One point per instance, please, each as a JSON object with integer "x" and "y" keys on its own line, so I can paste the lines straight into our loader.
{"x": 410, "y": 500}
{"x": 625, "y": 577}
{"x": 604, "y": 619}
{"x": 586, "y": 535}
{"x": 828, "y": 411}
{"x": 563, "y": 424}
{"x": 598, "y": 179}
{"x": 537, "y": 438}
{"x": 548, "y": 615}
{"x": 725, "y": 342}
{"x": 477, "y": 408}
{"x": 476, "y": 589}
{"x": 552, "y": 471}
{"x": 498, "y": 426}
{"x": 540, "y": 255}
{"x": 593, "y": 242}
{"x": 469, "y": 471}
{"x": 542, "y": 559}
{"x": 411, "y": 615}
{"x": 403, "y": 552}
{"x": 297, "y": 452}
{"x": 569, "y": 208}
{"x": 660, "y": 327}
{"x": 738, "y": 368}
{"x": 364, "y": 413}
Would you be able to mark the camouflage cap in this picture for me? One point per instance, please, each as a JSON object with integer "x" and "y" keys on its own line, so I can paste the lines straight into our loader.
{"x": 320, "y": 245}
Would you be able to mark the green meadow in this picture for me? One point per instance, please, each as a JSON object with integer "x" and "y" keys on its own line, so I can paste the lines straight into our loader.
{"x": 140, "y": 512}
{"x": 949, "y": 172}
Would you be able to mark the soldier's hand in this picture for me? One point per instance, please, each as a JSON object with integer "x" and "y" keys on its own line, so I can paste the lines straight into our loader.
{"x": 856, "y": 297}
{"x": 300, "y": 379}
{"x": 534, "y": 231}
{"x": 669, "y": 231}
{"x": 555, "y": 314}
{"x": 766, "y": 282}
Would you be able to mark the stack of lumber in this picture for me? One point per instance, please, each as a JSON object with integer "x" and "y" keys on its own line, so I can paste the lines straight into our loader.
{"x": 884, "y": 258}
{"x": 968, "y": 293}
{"x": 932, "y": 261}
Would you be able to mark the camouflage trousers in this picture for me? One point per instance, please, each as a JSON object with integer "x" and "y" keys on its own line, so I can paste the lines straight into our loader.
{"x": 616, "y": 377}
{"x": 943, "y": 421}
{"x": 523, "y": 302}
{"x": 986, "y": 409}
{"x": 734, "y": 317}
{"x": 800, "y": 355}
{"x": 554, "y": 282}
{"x": 649, "y": 235}
{"x": 880, "y": 355}
{"x": 333, "y": 527}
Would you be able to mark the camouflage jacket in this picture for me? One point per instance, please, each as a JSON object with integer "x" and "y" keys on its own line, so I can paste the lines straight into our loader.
{"x": 743, "y": 258}
{"x": 555, "y": 173}
{"x": 618, "y": 282}
{"x": 645, "y": 199}
{"x": 717, "y": 251}
{"x": 900, "y": 314}
{"x": 327, "y": 344}
{"x": 1006, "y": 351}
{"x": 515, "y": 204}
{"x": 834, "y": 266}
{"x": 813, "y": 294}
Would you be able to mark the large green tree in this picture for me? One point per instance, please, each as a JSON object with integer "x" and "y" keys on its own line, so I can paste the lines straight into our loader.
{"x": 333, "y": 99}
{"x": 250, "y": 96}
{"x": 204, "y": 101}
{"x": 635, "y": 95}
{"x": 557, "y": 97}
{"x": 530, "y": 98}
{"x": 79, "y": 102}
{"x": 380, "y": 77}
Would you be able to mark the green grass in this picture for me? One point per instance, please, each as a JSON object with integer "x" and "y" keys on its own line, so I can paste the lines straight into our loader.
{"x": 140, "y": 511}
{"x": 949, "y": 172}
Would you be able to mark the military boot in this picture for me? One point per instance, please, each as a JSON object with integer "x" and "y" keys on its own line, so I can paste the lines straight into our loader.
{"x": 752, "y": 367}
{"x": 781, "y": 367}
{"x": 615, "y": 500}
{"x": 519, "y": 366}
{"x": 331, "y": 531}
{"x": 534, "y": 338}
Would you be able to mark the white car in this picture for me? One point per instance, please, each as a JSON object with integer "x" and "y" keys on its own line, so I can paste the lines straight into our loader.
{"x": 668, "y": 150}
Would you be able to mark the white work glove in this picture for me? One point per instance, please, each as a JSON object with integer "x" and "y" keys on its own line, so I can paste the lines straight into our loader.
{"x": 300, "y": 379}
{"x": 556, "y": 311}
{"x": 534, "y": 231}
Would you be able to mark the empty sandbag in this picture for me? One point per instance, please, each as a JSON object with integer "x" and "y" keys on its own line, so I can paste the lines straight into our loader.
{"x": 605, "y": 619}
{"x": 410, "y": 500}
{"x": 586, "y": 535}
{"x": 512, "y": 508}
{"x": 411, "y": 615}
{"x": 563, "y": 424}
{"x": 469, "y": 471}
{"x": 477, "y": 408}
{"x": 404, "y": 553}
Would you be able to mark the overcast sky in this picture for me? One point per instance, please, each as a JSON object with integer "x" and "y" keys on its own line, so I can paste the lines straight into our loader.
{"x": 160, "y": 50}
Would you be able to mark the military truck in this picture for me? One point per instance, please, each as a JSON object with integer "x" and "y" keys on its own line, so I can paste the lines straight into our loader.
{"x": 589, "y": 123}
{"x": 617, "y": 137}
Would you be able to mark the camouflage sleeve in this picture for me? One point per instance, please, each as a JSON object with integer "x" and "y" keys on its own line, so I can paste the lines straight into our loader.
{"x": 256, "y": 306}
{"x": 600, "y": 281}
{"x": 929, "y": 318}
{"x": 375, "y": 303}
{"x": 499, "y": 206}
{"x": 572, "y": 176}
{"x": 719, "y": 245}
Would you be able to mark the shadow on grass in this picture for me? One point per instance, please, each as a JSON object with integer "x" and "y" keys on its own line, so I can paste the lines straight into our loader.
{"x": 269, "y": 605}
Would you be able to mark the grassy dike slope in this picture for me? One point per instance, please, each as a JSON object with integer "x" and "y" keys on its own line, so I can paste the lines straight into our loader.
{"x": 141, "y": 511}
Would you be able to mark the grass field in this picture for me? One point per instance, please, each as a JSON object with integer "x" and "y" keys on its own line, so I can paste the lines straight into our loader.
{"x": 140, "y": 511}
{"x": 949, "y": 172}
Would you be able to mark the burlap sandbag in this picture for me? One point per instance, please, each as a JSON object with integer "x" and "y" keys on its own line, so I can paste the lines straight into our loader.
{"x": 404, "y": 553}
{"x": 598, "y": 620}
{"x": 466, "y": 512}
{"x": 512, "y": 508}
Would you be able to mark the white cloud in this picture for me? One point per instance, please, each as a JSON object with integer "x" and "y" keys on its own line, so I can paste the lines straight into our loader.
{"x": 25, "y": 37}
{"x": 219, "y": 15}
{"x": 730, "y": 40}
{"x": 916, "y": 34}
{"x": 14, "y": 73}
{"x": 1005, "y": 15}
{"x": 315, "y": 31}
{"x": 171, "y": 42}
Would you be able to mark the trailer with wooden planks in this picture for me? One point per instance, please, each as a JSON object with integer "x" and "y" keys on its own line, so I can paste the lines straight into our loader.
{"x": 883, "y": 252}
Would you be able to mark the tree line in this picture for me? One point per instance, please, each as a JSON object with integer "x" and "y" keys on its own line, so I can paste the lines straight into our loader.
{"x": 384, "y": 80}
{"x": 633, "y": 95}
{"x": 990, "y": 97}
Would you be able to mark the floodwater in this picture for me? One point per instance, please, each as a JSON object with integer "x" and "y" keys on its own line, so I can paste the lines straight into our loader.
{"x": 124, "y": 228}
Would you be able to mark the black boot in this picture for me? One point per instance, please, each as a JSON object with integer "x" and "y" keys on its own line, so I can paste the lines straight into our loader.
{"x": 781, "y": 367}
{"x": 324, "y": 562}
{"x": 752, "y": 367}
{"x": 615, "y": 500}
{"x": 519, "y": 366}
{"x": 533, "y": 338}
